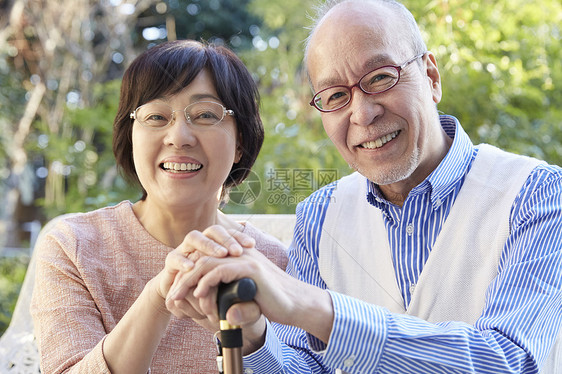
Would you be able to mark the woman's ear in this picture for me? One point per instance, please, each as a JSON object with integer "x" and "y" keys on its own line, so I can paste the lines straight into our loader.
{"x": 239, "y": 151}
{"x": 238, "y": 155}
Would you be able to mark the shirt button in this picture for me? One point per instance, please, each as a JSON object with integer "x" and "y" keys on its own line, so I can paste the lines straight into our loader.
{"x": 438, "y": 202}
{"x": 248, "y": 371}
{"x": 349, "y": 362}
{"x": 412, "y": 288}
{"x": 410, "y": 229}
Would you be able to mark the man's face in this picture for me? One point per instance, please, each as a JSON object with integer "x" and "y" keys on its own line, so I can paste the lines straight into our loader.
{"x": 393, "y": 137}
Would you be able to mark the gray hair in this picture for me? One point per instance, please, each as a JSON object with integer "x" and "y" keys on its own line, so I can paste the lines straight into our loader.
{"x": 417, "y": 43}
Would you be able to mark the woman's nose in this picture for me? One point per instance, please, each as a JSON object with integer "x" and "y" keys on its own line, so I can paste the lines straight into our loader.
{"x": 180, "y": 133}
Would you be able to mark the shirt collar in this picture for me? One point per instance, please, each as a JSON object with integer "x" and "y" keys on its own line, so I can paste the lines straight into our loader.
{"x": 442, "y": 180}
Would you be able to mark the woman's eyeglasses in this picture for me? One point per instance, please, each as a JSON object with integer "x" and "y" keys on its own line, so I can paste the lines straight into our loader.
{"x": 158, "y": 115}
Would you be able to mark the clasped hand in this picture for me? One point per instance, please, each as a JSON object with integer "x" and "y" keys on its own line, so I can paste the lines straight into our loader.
{"x": 201, "y": 262}
{"x": 205, "y": 259}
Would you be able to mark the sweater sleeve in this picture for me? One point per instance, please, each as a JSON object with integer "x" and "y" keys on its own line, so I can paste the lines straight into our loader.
{"x": 68, "y": 324}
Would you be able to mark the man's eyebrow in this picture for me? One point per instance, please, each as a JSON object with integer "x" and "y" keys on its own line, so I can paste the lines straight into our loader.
{"x": 377, "y": 61}
{"x": 329, "y": 82}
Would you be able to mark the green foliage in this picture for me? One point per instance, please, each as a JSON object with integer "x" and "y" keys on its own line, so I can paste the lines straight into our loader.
{"x": 501, "y": 70}
{"x": 12, "y": 272}
{"x": 12, "y": 104}
{"x": 297, "y": 157}
{"x": 219, "y": 21}
{"x": 82, "y": 166}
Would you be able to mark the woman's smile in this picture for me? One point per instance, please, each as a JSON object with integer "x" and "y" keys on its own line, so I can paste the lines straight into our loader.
{"x": 181, "y": 167}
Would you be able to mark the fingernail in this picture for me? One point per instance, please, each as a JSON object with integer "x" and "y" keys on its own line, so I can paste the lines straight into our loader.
{"x": 248, "y": 242}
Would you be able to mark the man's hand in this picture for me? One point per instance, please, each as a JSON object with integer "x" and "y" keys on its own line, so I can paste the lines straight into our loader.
{"x": 280, "y": 297}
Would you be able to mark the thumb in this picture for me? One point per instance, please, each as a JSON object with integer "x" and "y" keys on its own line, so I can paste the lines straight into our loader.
{"x": 245, "y": 313}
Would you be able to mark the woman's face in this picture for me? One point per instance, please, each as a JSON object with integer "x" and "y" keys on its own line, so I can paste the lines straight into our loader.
{"x": 182, "y": 164}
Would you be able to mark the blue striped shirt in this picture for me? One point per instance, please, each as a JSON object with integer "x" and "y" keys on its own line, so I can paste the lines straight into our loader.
{"x": 518, "y": 325}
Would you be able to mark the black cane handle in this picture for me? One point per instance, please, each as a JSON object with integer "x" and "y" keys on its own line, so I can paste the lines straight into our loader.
{"x": 235, "y": 292}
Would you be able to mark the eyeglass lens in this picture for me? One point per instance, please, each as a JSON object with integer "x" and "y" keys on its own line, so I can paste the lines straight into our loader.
{"x": 158, "y": 115}
{"x": 377, "y": 81}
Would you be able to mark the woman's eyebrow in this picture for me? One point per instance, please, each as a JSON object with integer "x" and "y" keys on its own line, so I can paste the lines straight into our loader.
{"x": 198, "y": 97}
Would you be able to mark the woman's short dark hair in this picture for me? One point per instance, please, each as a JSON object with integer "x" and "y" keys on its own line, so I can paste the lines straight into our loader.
{"x": 166, "y": 69}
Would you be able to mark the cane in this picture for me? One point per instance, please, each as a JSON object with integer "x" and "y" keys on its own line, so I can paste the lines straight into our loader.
{"x": 230, "y": 344}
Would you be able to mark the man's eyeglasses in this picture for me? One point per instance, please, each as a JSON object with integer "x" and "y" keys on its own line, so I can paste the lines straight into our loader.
{"x": 374, "y": 82}
{"x": 159, "y": 115}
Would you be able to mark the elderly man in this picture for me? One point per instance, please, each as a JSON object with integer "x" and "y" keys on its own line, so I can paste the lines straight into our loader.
{"x": 436, "y": 256}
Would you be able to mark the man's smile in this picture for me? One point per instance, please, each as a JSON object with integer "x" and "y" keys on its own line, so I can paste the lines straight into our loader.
{"x": 380, "y": 141}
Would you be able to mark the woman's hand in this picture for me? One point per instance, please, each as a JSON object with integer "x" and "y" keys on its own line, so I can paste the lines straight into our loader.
{"x": 215, "y": 241}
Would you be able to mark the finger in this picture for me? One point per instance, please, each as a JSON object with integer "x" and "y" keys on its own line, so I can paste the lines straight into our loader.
{"x": 176, "y": 261}
{"x": 175, "y": 264}
{"x": 197, "y": 241}
{"x": 216, "y": 271}
{"x": 245, "y": 313}
{"x": 183, "y": 309}
{"x": 195, "y": 256}
{"x": 245, "y": 240}
{"x": 174, "y": 287}
{"x": 183, "y": 284}
{"x": 185, "y": 281}
{"x": 226, "y": 238}
{"x": 208, "y": 305}
{"x": 189, "y": 304}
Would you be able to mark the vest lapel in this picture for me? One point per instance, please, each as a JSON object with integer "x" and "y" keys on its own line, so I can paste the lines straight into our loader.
{"x": 464, "y": 260}
{"x": 356, "y": 262}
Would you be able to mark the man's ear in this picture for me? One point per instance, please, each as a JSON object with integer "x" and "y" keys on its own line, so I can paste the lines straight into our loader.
{"x": 433, "y": 76}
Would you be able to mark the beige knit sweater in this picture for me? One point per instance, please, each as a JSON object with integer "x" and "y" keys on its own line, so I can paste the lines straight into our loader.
{"x": 91, "y": 267}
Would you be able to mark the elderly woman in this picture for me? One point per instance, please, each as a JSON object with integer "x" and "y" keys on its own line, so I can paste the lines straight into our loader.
{"x": 187, "y": 129}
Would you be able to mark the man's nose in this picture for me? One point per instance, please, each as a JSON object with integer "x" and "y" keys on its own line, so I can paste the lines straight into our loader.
{"x": 365, "y": 108}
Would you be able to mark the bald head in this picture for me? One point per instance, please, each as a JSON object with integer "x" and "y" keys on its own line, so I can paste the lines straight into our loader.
{"x": 343, "y": 14}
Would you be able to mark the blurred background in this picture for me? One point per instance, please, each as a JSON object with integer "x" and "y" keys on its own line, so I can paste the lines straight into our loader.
{"x": 61, "y": 63}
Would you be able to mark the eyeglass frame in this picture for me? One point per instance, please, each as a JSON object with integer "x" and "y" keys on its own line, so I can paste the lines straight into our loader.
{"x": 398, "y": 68}
{"x": 225, "y": 112}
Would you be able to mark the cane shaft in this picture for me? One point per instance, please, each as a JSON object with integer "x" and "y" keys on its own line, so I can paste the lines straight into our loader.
{"x": 232, "y": 360}
{"x": 231, "y": 335}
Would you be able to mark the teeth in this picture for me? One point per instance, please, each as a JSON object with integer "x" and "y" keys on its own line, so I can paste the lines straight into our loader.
{"x": 380, "y": 141}
{"x": 180, "y": 166}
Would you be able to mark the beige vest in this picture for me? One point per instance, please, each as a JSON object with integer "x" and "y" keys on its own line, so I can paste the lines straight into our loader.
{"x": 462, "y": 263}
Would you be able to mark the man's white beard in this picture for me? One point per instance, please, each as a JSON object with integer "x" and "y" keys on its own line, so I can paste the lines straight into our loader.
{"x": 395, "y": 174}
